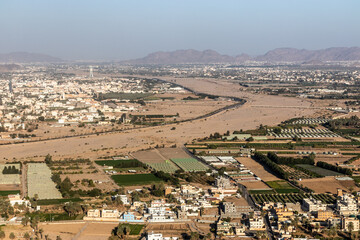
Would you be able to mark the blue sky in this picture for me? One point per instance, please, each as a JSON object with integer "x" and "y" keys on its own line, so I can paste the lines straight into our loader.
{"x": 118, "y": 30}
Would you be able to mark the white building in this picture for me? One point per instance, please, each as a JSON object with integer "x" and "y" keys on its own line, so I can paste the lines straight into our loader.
{"x": 312, "y": 205}
{"x": 346, "y": 205}
{"x": 159, "y": 236}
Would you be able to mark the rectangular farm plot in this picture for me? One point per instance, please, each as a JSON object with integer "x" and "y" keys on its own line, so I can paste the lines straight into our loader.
{"x": 169, "y": 153}
{"x": 189, "y": 164}
{"x": 261, "y": 198}
{"x": 135, "y": 179}
{"x": 39, "y": 182}
{"x": 166, "y": 166}
{"x": 318, "y": 170}
{"x": 122, "y": 165}
{"x": 9, "y": 178}
{"x": 282, "y": 187}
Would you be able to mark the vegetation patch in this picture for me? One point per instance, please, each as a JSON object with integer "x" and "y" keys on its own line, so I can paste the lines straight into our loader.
{"x": 189, "y": 164}
{"x": 10, "y": 192}
{"x": 57, "y": 201}
{"x": 318, "y": 170}
{"x": 135, "y": 179}
{"x": 292, "y": 198}
{"x": 49, "y": 217}
{"x": 282, "y": 187}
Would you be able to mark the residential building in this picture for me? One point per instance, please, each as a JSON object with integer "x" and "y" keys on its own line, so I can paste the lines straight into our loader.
{"x": 346, "y": 222}
{"x": 312, "y": 205}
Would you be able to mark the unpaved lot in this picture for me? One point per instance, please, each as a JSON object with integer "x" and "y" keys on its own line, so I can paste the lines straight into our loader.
{"x": 83, "y": 231}
{"x": 257, "y": 169}
{"x": 328, "y": 185}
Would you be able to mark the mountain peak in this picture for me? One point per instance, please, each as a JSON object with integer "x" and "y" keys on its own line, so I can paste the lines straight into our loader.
{"x": 26, "y": 57}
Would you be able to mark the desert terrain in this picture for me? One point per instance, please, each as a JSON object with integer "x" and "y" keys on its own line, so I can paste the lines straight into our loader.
{"x": 254, "y": 112}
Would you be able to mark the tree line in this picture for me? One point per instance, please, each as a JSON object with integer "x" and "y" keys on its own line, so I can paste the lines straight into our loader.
{"x": 291, "y": 160}
{"x": 331, "y": 167}
{"x": 11, "y": 170}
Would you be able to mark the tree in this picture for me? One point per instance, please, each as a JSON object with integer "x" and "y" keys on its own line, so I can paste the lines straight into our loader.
{"x": 194, "y": 236}
{"x": 12, "y": 235}
{"x": 26, "y": 235}
{"x": 351, "y": 227}
{"x": 34, "y": 222}
{"x": 48, "y": 159}
{"x": 122, "y": 231}
{"x": 41, "y": 231}
{"x": 250, "y": 139}
{"x": 221, "y": 171}
{"x": 2, "y": 234}
{"x": 72, "y": 208}
{"x": 25, "y": 221}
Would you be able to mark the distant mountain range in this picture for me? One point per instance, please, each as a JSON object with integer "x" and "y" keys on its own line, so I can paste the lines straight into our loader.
{"x": 25, "y": 57}
{"x": 276, "y": 55}
{"x": 211, "y": 56}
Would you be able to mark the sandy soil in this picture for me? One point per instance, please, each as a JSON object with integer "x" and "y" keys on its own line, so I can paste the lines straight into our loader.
{"x": 6, "y": 187}
{"x": 83, "y": 231}
{"x": 327, "y": 184}
{"x": 169, "y": 153}
{"x": 18, "y": 230}
{"x": 247, "y": 116}
{"x": 257, "y": 169}
{"x": 149, "y": 156}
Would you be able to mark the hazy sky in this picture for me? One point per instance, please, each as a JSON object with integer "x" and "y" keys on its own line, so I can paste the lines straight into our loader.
{"x": 118, "y": 30}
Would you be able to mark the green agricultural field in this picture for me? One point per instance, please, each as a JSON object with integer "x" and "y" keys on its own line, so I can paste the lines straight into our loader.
{"x": 189, "y": 164}
{"x": 167, "y": 167}
{"x": 48, "y": 217}
{"x": 57, "y": 201}
{"x": 282, "y": 187}
{"x": 318, "y": 170}
{"x": 122, "y": 165}
{"x": 292, "y": 197}
{"x": 11, "y": 192}
{"x": 135, "y": 229}
{"x": 356, "y": 178}
{"x": 135, "y": 179}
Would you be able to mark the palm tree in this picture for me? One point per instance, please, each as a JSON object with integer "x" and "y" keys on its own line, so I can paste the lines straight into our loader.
{"x": 41, "y": 231}
{"x": 332, "y": 232}
{"x": 351, "y": 227}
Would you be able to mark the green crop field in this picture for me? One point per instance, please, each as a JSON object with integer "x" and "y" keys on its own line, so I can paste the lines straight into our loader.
{"x": 57, "y": 201}
{"x": 292, "y": 197}
{"x": 11, "y": 192}
{"x": 122, "y": 164}
{"x": 282, "y": 187}
{"x": 135, "y": 179}
{"x": 49, "y": 217}
{"x": 135, "y": 229}
{"x": 318, "y": 170}
{"x": 356, "y": 178}
{"x": 167, "y": 167}
{"x": 189, "y": 164}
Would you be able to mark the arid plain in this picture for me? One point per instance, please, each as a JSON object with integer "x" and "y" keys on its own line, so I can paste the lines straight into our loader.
{"x": 259, "y": 109}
